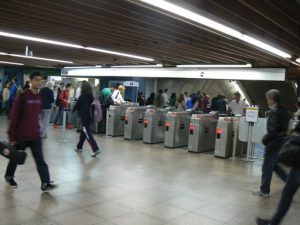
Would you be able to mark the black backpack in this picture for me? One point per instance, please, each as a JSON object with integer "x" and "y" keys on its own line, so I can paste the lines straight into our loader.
{"x": 289, "y": 154}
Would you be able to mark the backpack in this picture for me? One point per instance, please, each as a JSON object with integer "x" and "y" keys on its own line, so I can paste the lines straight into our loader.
{"x": 111, "y": 101}
{"x": 289, "y": 154}
{"x": 96, "y": 111}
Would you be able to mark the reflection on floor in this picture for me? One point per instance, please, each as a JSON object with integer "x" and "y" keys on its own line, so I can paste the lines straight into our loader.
{"x": 135, "y": 184}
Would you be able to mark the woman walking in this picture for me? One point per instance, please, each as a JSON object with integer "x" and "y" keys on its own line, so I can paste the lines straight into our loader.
{"x": 84, "y": 108}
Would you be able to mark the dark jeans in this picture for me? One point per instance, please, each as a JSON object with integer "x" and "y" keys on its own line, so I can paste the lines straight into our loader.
{"x": 270, "y": 164}
{"x": 59, "y": 115}
{"x": 37, "y": 153}
{"x": 290, "y": 188}
{"x": 86, "y": 134}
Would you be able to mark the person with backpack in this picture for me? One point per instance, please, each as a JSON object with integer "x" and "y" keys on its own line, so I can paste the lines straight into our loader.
{"x": 277, "y": 126}
{"x": 24, "y": 132}
{"x": 117, "y": 95}
{"x": 47, "y": 97}
{"x": 64, "y": 104}
{"x": 87, "y": 107}
{"x": 289, "y": 155}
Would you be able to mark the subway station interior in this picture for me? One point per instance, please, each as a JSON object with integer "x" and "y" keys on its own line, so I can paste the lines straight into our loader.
{"x": 161, "y": 112}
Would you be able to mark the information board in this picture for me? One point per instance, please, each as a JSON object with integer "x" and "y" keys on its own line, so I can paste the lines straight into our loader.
{"x": 252, "y": 114}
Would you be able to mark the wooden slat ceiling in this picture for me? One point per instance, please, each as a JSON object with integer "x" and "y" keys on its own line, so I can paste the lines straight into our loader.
{"x": 121, "y": 25}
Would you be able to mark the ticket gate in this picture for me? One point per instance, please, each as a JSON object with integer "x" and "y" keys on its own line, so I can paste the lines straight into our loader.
{"x": 154, "y": 126}
{"x": 202, "y": 132}
{"x": 177, "y": 129}
{"x": 224, "y": 142}
{"x": 115, "y": 120}
{"x": 134, "y": 119}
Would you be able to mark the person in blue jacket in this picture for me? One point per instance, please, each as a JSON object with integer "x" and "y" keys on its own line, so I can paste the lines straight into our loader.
{"x": 13, "y": 93}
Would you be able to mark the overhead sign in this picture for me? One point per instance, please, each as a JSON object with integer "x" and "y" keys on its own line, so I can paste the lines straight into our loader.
{"x": 252, "y": 114}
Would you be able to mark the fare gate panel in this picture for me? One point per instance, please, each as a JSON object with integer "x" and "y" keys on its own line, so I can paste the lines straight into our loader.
{"x": 115, "y": 121}
{"x": 223, "y": 145}
{"x": 177, "y": 129}
{"x": 202, "y": 132}
{"x": 154, "y": 126}
{"x": 134, "y": 123}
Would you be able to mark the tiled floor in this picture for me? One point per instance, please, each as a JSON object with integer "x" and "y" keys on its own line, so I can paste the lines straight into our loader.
{"x": 135, "y": 184}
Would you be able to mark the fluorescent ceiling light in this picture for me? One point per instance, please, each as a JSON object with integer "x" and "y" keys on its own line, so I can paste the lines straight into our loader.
{"x": 216, "y": 66}
{"x": 138, "y": 66}
{"x": 297, "y": 64}
{"x": 182, "y": 12}
{"x": 81, "y": 67}
{"x": 119, "y": 53}
{"x": 11, "y": 63}
{"x": 47, "y": 41}
{"x": 40, "y": 58}
{"x": 3, "y": 53}
{"x": 298, "y": 60}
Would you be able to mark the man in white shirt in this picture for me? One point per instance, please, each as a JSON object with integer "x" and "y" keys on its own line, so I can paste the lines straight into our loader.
{"x": 186, "y": 97}
{"x": 237, "y": 106}
{"x": 166, "y": 97}
{"x": 117, "y": 95}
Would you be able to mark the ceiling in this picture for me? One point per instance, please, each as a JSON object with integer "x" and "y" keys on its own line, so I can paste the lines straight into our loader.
{"x": 122, "y": 25}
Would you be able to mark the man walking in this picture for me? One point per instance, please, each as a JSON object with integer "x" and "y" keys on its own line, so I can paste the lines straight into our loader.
{"x": 277, "y": 125}
{"x": 24, "y": 131}
{"x": 47, "y": 97}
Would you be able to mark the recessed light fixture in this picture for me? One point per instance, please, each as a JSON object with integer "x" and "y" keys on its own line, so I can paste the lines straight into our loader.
{"x": 138, "y": 66}
{"x": 11, "y": 63}
{"x": 185, "y": 13}
{"x": 119, "y": 54}
{"x": 216, "y": 66}
{"x": 40, "y": 58}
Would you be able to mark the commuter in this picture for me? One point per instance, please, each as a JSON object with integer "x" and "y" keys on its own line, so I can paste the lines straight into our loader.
{"x": 27, "y": 85}
{"x": 173, "y": 99}
{"x": 181, "y": 103}
{"x": 205, "y": 101}
{"x": 290, "y": 156}
{"x": 12, "y": 93}
{"x": 105, "y": 96}
{"x": 117, "y": 96}
{"x": 166, "y": 97}
{"x": 186, "y": 97}
{"x": 47, "y": 97}
{"x": 221, "y": 104}
{"x": 78, "y": 90}
{"x": 159, "y": 100}
{"x": 5, "y": 97}
{"x": 214, "y": 103}
{"x": 191, "y": 101}
{"x": 237, "y": 106}
{"x": 297, "y": 114}
{"x": 140, "y": 99}
{"x": 24, "y": 132}
{"x": 84, "y": 108}
{"x": 150, "y": 100}
{"x": 198, "y": 106}
{"x": 277, "y": 125}
{"x": 64, "y": 105}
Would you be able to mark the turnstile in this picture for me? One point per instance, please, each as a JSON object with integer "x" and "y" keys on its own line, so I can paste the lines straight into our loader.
{"x": 202, "y": 132}
{"x": 154, "y": 126}
{"x": 115, "y": 120}
{"x": 134, "y": 119}
{"x": 223, "y": 145}
{"x": 177, "y": 129}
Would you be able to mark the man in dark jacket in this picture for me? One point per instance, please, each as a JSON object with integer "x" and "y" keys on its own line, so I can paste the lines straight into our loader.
{"x": 277, "y": 125}
{"x": 47, "y": 97}
{"x": 24, "y": 131}
{"x": 293, "y": 181}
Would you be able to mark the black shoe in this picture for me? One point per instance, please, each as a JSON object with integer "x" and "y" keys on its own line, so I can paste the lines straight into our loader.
{"x": 260, "y": 221}
{"x": 48, "y": 186}
{"x": 12, "y": 183}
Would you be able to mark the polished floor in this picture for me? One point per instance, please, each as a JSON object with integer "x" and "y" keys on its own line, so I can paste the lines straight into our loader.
{"x": 135, "y": 184}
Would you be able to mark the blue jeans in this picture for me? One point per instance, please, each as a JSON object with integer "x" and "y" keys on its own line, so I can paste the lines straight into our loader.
{"x": 37, "y": 153}
{"x": 270, "y": 164}
{"x": 290, "y": 188}
{"x": 59, "y": 115}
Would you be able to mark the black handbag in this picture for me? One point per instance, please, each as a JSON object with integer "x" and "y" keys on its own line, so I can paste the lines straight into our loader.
{"x": 289, "y": 154}
{"x": 10, "y": 152}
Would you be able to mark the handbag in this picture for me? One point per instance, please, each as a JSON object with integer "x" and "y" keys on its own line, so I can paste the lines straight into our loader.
{"x": 10, "y": 152}
{"x": 289, "y": 154}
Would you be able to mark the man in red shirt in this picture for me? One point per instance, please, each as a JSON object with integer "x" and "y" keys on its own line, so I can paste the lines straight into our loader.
{"x": 64, "y": 103}
{"x": 24, "y": 131}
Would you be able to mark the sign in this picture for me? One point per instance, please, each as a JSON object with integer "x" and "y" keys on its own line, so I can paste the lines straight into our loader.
{"x": 252, "y": 114}
{"x": 131, "y": 84}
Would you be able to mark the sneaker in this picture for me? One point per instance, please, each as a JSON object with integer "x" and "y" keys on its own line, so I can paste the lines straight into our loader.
{"x": 96, "y": 153}
{"x": 12, "y": 183}
{"x": 70, "y": 127}
{"x": 78, "y": 149}
{"x": 261, "y": 194}
{"x": 260, "y": 221}
{"x": 48, "y": 186}
{"x": 55, "y": 126}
